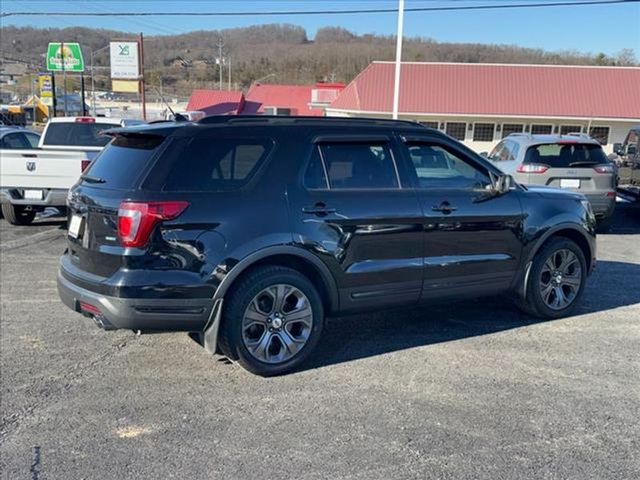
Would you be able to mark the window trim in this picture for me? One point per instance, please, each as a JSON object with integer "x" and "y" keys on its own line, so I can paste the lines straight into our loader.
{"x": 373, "y": 139}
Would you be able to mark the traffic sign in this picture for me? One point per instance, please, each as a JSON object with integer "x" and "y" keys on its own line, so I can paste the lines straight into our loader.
{"x": 65, "y": 57}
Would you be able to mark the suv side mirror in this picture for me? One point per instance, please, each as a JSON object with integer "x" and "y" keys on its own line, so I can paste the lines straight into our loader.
{"x": 484, "y": 154}
{"x": 617, "y": 149}
{"x": 502, "y": 183}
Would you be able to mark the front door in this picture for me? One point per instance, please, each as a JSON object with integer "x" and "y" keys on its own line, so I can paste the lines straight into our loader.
{"x": 472, "y": 236}
{"x": 353, "y": 210}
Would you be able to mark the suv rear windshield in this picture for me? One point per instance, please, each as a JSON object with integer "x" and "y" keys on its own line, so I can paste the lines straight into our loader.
{"x": 213, "y": 164}
{"x": 121, "y": 162}
{"x": 559, "y": 155}
{"x": 77, "y": 134}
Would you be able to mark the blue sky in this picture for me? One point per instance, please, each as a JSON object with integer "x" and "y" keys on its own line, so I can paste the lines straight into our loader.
{"x": 597, "y": 28}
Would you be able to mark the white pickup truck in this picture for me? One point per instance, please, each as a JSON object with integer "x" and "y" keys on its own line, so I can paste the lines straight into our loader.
{"x": 32, "y": 179}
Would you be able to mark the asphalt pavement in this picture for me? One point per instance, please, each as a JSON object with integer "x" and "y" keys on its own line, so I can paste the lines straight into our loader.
{"x": 456, "y": 391}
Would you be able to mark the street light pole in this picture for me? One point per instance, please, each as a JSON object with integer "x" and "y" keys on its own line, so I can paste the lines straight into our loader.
{"x": 93, "y": 84}
{"x": 396, "y": 84}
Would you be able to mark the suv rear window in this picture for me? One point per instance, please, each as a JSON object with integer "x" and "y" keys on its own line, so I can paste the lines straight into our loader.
{"x": 121, "y": 162}
{"x": 77, "y": 134}
{"x": 558, "y": 155}
{"x": 214, "y": 164}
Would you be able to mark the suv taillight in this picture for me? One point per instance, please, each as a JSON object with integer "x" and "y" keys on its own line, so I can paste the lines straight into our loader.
{"x": 84, "y": 165}
{"x": 532, "y": 168}
{"x": 604, "y": 168}
{"x": 136, "y": 220}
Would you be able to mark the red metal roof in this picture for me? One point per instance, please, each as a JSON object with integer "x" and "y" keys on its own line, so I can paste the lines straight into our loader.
{"x": 295, "y": 97}
{"x": 216, "y": 102}
{"x": 496, "y": 90}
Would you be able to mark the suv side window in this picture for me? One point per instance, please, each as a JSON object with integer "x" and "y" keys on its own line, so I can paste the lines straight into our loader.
{"x": 437, "y": 166}
{"x": 357, "y": 165}
{"x": 207, "y": 164}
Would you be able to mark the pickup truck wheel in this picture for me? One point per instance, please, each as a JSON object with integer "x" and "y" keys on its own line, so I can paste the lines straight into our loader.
{"x": 17, "y": 214}
{"x": 273, "y": 321}
{"x": 556, "y": 281}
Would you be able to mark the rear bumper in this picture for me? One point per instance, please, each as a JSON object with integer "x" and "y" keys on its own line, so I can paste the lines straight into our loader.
{"x": 159, "y": 315}
{"x": 52, "y": 197}
{"x": 602, "y": 205}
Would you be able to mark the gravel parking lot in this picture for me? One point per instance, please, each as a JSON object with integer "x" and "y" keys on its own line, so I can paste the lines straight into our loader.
{"x": 471, "y": 390}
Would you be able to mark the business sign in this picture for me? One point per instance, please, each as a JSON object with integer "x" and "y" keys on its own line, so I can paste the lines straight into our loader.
{"x": 124, "y": 60}
{"x": 45, "y": 89}
{"x": 65, "y": 57}
{"x": 125, "y": 86}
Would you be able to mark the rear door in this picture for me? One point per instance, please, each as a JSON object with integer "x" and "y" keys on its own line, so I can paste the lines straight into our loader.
{"x": 472, "y": 238}
{"x": 354, "y": 211}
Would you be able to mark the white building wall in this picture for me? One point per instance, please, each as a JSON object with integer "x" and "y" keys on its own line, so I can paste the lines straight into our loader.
{"x": 618, "y": 129}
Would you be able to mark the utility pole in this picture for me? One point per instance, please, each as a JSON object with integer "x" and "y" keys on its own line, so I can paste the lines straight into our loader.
{"x": 220, "y": 46}
{"x": 229, "y": 67}
{"x": 143, "y": 97}
{"x": 396, "y": 84}
{"x": 64, "y": 79}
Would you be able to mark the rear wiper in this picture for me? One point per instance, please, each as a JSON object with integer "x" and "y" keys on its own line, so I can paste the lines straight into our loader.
{"x": 90, "y": 179}
{"x": 574, "y": 164}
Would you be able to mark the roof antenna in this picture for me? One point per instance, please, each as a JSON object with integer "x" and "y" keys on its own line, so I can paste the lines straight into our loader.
{"x": 176, "y": 116}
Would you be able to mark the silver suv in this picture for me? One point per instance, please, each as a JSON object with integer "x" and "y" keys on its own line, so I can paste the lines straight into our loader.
{"x": 574, "y": 162}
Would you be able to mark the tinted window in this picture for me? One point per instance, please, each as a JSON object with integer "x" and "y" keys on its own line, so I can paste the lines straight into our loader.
{"x": 566, "y": 129}
{"x": 122, "y": 161}
{"x": 456, "y": 130}
{"x": 566, "y": 155}
{"x": 601, "y": 134}
{"x": 14, "y": 141}
{"x": 33, "y": 139}
{"x": 433, "y": 125}
{"x": 541, "y": 129}
{"x": 509, "y": 128}
{"x": 437, "y": 167}
{"x": 483, "y": 132}
{"x": 314, "y": 177}
{"x": 215, "y": 164}
{"x": 77, "y": 134}
{"x": 359, "y": 165}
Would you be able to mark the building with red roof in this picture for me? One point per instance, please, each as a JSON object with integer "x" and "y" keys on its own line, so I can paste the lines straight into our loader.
{"x": 308, "y": 100}
{"x": 482, "y": 103}
{"x": 216, "y": 102}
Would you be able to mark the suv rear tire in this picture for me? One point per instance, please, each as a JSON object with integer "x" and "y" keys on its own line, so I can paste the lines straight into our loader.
{"x": 556, "y": 280}
{"x": 17, "y": 214}
{"x": 272, "y": 321}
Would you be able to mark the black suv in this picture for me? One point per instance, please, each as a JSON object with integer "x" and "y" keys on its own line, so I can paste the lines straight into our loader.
{"x": 250, "y": 230}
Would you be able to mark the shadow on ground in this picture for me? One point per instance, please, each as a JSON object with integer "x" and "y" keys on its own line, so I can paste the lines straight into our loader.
{"x": 360, "y": 336}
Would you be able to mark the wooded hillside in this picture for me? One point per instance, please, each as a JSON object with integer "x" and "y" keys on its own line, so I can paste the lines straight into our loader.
{"x": 183, "y": 62}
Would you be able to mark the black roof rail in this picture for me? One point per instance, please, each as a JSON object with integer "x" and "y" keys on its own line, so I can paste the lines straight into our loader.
{"x": 289, "y": 120}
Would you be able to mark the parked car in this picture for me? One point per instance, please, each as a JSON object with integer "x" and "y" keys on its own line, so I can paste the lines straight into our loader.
{"x": 629, "y": 151}
{"x": 18, "y": 138}
{"x": 251, "y": 230}
{"x": 574, "y": 162}
{"x": 628, "y": 156}
{"x": 39, "y": 175}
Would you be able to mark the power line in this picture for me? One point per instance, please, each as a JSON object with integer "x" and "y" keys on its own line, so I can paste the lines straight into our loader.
{"x": 325, "y": 12}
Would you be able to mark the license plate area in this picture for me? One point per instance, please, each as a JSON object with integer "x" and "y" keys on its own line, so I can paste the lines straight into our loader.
{"x": 75, "y": 226}
{"x": 33, "y": 194}
{"x": 569, "y": 183}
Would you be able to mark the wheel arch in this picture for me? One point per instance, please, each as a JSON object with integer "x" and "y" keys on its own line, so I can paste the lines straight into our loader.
{"x": 569, "y": 231}
{"x": 288, "y": 256}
